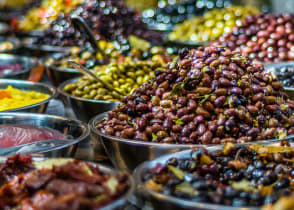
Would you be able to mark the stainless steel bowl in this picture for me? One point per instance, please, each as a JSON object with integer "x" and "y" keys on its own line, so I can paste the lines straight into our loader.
{"x": 273, "y": 68}
{"x": 120, "y": 202}
{"x": 85, "y": 109}
{"x": 58, "y": 75}
{"x": 26, "y": 63}
{"x": 78, "y": 130}
{"x": 28, "y": 86}
{"x": 161, "y": 201}
{"x": 128, "y": 154}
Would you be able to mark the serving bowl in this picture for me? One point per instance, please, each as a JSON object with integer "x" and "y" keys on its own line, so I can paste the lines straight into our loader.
{"x": 273, "y": 68}
{"x": 57, "y": 75}
{"x": 85, "y": 109}
{"x": 128, "y": 154}
{"x": 26, "y": 65}
{"x": 161, "y": 201}
{"x": 30, "y": 86}
{"x": 119, "y": 203}
{"x": 78, "y": 130}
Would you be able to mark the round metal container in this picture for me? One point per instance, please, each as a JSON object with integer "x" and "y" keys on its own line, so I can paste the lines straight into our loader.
{"x": 128, "y": 154}
{"x": 273, "y": 68}
{"x": 120, "y": 202}
{"x": 58, "y": 75}
{"x": 77, "y": 129}
{"x": 30, "y": 86}
{"x": 26, "y": 63}
{"x": 85, "y": 109}
{"x": 161, "y": 201}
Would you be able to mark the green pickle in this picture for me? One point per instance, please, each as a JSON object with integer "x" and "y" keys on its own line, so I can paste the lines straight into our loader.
{"x": 124, "y": 77}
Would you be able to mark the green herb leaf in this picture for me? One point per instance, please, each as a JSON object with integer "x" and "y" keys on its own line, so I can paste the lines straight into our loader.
{"x": 177, "y": 89}
{"x": 179, "y": 121}
{"x": 205, "y": 98}
{"x": 154, "y": 137}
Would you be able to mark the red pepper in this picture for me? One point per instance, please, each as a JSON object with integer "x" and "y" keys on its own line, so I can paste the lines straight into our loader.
{"x": 67, "y": 2}
{"x": 4, "y": 94}
{"x": 43, "y": 12}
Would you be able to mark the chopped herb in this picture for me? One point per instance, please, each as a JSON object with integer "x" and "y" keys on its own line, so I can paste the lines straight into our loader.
{"x": 154, "y": 137}
{"x": 179, "y": 121}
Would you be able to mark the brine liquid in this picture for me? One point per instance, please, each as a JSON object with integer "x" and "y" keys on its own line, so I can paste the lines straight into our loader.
{"x": 13, "y": 135}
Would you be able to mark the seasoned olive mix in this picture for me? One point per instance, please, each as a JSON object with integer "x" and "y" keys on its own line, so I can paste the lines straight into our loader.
{"x": 236, "y": 176}
{"x": 209, "y": 96}
{"x": 266, "y": 37}
{"x": 123, "y": 77}
{"x": 212, "y": 25}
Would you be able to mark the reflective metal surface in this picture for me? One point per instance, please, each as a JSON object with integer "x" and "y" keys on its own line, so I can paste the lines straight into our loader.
{"x": 273, "y": 67}
{"x": 85, "y": 109}
{"x": 30, "y": 86}
{"x": 29, "y": 44}
{"x": 128, "y": 154}
{"x": 58, "y": 75}
{"x": 161, "y": 201}
{"x": 120, "y": 202}
{"x": 78, "y": 130}
{"x": 26, "y": 63}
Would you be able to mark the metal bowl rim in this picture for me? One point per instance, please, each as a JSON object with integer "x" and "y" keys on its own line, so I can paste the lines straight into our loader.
{"x": 104, "y": 169}
{"x": 28, "y": 43}
{"x": 32, "y": 60}
{"x": 63, "y": 84}
{"x": 137, "y": 174}
{"x": 79, "y": 123}
{"x": 98, "y": 118}
{"x": 53, "y": 93}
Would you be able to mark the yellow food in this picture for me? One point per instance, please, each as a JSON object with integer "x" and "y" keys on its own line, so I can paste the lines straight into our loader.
{"x": 12, "y": 98}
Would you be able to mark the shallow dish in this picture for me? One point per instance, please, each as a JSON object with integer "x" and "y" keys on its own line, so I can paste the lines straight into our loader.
{"x": 161, "y": 201}
{"x": 26, "y": 65}
{"x": 128, "y": 154}
{"x": 119, "y": 203}
{"x": 77, "y": 129}
{"x": 85, "y": 109}
{"x": 28, "y": 86}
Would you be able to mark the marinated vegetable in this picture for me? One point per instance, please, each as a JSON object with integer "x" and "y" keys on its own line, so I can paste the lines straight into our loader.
{"x": 266, "y": 37}
{"x": 239, "y": 176}
{"x": 123, "y": 77}
{"x": 209, "y": 96}
{"x": 212, "y": 25}
{"x": 72, "y": 185}
{"x": 40, "y": 18}
{"x": 14, "y": 135}
{"x": 12, "y": 98}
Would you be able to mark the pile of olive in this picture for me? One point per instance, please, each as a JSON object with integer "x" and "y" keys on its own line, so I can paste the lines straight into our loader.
{"x": 124, "y": 77}
{"x": 173, "y": 14}
{"x": 265, "y": 37}
{"x": 212, "y": 25}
